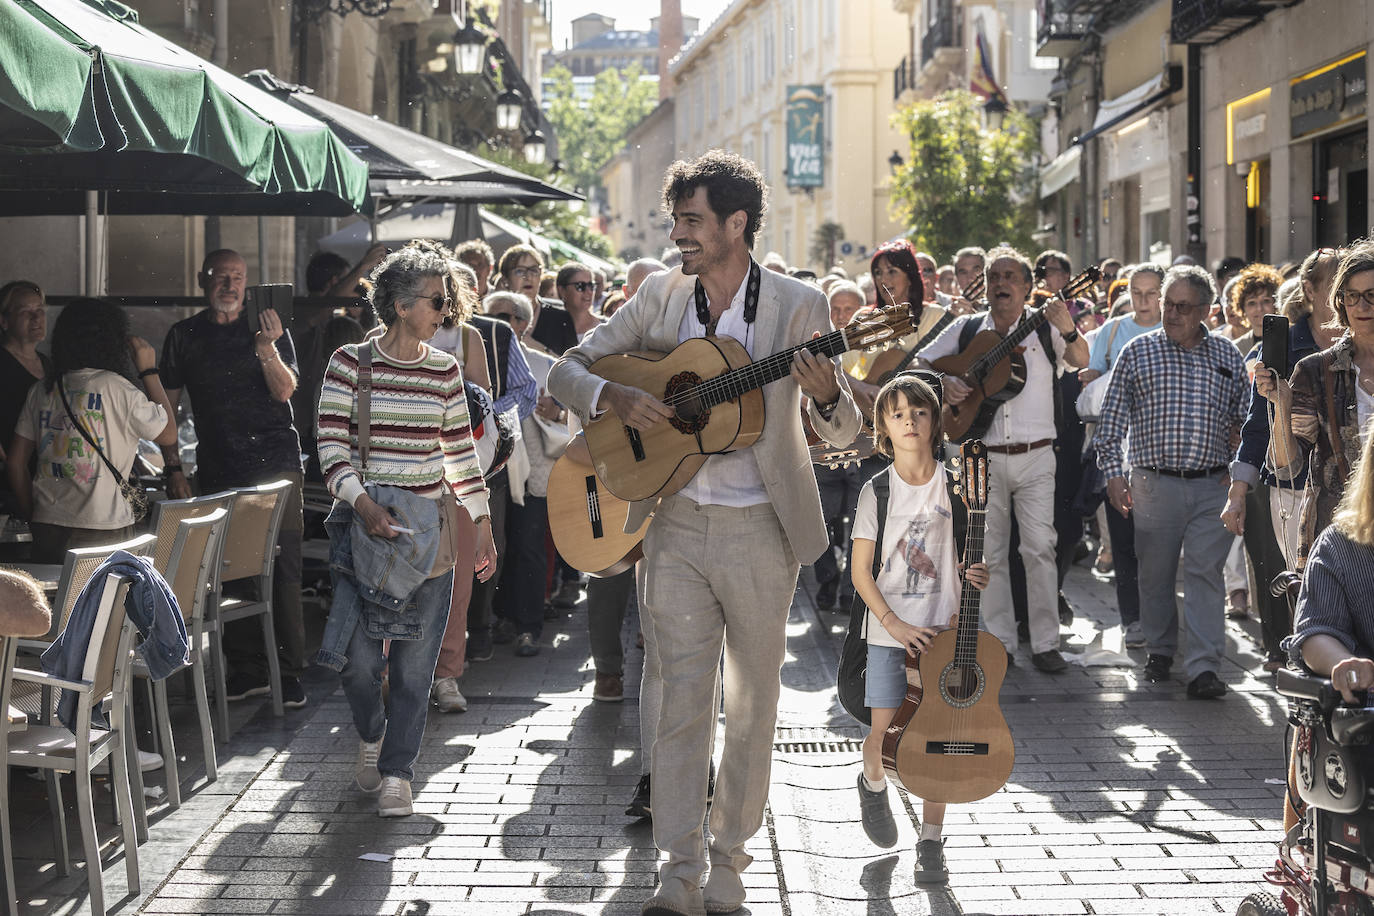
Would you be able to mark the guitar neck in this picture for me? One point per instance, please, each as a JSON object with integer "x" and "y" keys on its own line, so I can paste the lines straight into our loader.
{"x": 910, "y": 357}
{"x": 998, "y": 353}
{"x": 732, "y": 384}
{"x": 966, "y": 639}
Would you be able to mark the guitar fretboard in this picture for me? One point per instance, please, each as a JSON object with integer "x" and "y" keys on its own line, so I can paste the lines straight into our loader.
{"x": 732, "y": 384}
{"x": 966, "y": 640}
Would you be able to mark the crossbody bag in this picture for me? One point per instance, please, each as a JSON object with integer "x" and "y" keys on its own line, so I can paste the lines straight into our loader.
{"x": 133, "y": 494}
{"x": 447, "y": 556}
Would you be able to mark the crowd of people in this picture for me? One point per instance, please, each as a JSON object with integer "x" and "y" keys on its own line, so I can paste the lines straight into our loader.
{"x": 1144, "y": 430}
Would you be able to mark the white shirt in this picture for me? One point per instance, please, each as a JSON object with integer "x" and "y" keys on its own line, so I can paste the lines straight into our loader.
{"x": 732, "y": 479}
{"x": 73, "y": 487}
{"x": 919, "y": 578}
{"x": 1028, "y": 417}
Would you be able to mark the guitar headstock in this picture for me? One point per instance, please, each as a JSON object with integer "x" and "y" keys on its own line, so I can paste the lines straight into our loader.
{"x": 1081, "y": 283}
{"x": 973, "y": 474}
{"x": 880, "y": 326}
{"x": 827, "y": 455}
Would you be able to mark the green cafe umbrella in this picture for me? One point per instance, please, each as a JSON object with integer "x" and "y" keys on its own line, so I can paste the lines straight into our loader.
{"x": 92, "y": 101}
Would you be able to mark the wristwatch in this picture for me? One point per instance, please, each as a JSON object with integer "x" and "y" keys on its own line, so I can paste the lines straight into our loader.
{"x": 1071, "y": 336}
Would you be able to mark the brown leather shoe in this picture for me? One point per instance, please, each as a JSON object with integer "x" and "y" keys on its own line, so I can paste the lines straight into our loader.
{"x": 610, "y": 688}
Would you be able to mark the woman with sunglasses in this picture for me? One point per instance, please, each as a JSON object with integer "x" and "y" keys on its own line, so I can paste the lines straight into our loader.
{"x": 1322, "y": 413}
{"x": 577, "y": 289}
{"x": 419, "y": 442}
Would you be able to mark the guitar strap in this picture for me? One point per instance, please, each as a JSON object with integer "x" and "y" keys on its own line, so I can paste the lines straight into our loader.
{"x": 751, "y": 300}
{"x": 858, "y": 611}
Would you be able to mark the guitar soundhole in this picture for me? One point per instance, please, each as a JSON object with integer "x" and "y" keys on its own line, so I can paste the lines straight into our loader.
{"x": 691, "y": 416}
{"x": 961, "y": 686}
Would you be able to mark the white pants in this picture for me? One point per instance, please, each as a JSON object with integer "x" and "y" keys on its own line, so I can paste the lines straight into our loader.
{"x": 1027, "y": 480}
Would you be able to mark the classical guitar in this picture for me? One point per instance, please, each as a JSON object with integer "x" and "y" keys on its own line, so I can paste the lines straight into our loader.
{"x": 948, "y": 741}
{"x": 713, "y": 389}
{"x": 588, "y": 521}
{"x": 995, "y": 368}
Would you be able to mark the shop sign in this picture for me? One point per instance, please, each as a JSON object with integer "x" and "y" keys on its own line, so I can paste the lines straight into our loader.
{"x": 1325, "y": 98}
{"x": 805, "y": 136}
{"x": 1138, "y": 146}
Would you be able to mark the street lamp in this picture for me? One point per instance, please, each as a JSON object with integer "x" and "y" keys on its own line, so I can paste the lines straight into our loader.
{"x": 469, "y": 49}
{"x": 535, "y": 148}
{"x": 509, "y": 107}
{"x": 895, "y": 161}
{"x": 995, "y": 111}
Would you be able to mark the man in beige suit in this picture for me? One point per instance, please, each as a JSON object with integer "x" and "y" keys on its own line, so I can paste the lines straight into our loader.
{"x": 723, "y": 552}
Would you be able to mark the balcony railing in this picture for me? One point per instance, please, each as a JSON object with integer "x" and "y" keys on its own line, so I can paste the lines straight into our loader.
{"x": 1061, "y": 31}
{"x": 903, "y": 78}
{"x": 1207, "y": 22}
{"x": 944, "y": 31}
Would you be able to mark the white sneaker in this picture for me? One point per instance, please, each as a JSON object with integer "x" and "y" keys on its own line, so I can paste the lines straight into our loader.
{"x": 369, "y": 780}
{"x": 395, "y": 800}
{"x": 147, "y": 763}
{"x": 447, "y": 696}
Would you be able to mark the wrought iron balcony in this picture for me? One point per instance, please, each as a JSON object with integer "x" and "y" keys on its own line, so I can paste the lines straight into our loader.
{"x": 903, "y": 78}
{"x": 1206, "y": 22}
{"x": 1061, "y": 31}
{"x": 945, "y": 31}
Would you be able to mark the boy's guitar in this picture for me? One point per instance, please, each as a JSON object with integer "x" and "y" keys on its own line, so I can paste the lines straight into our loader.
{"x": 948, "y": 742}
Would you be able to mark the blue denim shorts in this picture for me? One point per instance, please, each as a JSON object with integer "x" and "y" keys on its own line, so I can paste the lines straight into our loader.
{"x": 885, "y": 681}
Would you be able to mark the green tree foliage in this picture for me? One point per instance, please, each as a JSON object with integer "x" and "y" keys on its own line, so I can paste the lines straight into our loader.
{"x": 557, "y": 219}
{"x": 591, "y": 132}
{"x": 962, "y": 184}
{"x": 824, "y": 242}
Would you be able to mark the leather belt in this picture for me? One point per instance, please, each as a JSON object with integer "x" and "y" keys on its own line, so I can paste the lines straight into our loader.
{"x": 1188, "y": 474}
{"x": 1019, "y": 448}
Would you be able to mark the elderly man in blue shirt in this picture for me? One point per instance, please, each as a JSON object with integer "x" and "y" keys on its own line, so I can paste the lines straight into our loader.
{"x": 1181, "y": 395}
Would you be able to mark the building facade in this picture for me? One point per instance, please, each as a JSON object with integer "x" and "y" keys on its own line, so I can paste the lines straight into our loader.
{"x": 801, "y": 88}
{"x": 1182, "y": 127}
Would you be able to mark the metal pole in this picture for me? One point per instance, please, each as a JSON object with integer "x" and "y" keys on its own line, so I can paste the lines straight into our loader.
{"x": 94, "y": 249}
{"x": 262, "y": 249}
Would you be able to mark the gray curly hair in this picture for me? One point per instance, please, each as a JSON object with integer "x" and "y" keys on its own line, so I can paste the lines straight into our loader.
{"x": 400, "y": 278}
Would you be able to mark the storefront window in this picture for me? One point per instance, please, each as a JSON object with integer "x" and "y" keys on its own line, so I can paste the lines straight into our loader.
{"x": 1340, "y": 193}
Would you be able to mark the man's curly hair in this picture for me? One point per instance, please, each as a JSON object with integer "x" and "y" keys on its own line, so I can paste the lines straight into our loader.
{"x": 732, "y": 183}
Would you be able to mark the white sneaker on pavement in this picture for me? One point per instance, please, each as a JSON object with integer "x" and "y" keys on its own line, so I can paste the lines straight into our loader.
{"x": 395, "y": 800}
{"x": 447, "y": 696}
{"x": 369, "y": 780}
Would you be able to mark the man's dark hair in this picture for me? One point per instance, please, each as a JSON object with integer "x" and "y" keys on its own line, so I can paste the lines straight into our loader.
{"x": 324, "y": 268}
{"x": 90, "y": 334}
{"x": 1042, "y": 262}
{"x": 732, "y": 183}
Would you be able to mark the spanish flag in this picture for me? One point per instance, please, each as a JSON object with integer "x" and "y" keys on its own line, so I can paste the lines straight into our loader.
{"x": 983, "y": 82}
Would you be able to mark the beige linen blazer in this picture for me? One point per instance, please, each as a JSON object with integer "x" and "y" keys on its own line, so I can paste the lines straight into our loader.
{"x": 790, "y": 311}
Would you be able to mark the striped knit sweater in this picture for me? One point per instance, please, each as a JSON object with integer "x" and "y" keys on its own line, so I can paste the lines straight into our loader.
{"x": 419, "y": 433}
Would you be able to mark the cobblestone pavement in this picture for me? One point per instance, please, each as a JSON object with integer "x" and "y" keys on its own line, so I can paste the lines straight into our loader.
{"x": 1126, "y": 798}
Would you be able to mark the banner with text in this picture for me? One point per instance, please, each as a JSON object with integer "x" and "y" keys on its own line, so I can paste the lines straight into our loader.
{"x": 805, "y": 136}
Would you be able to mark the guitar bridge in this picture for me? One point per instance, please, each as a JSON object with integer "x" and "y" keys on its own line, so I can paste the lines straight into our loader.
{"x": 957, "y": 748}
{"x": 636, "y": 443}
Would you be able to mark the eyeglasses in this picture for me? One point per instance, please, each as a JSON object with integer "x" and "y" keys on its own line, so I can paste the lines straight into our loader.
{"x": 1353, "y": 297}
{"x": 582, "y": 286}
{"x": 439, "y": 303}
{"x": 1179, "y": 306}
{"x": 928, "y": 271}
{"x": 521, "y": 272}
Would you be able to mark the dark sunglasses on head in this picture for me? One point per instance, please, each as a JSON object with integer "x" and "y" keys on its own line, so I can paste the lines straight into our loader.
{"x": 581, "y": 286}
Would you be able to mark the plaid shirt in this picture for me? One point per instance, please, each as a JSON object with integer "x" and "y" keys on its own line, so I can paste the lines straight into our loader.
{"x": 1180, "y": 405}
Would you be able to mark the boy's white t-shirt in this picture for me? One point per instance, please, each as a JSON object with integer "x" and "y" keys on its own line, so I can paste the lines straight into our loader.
{"x": 72, "y": 486}
{"x": 920, "y": 574}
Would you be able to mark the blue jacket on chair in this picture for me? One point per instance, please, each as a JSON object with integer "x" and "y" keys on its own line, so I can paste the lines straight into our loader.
{"x": 152, "y": 607}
